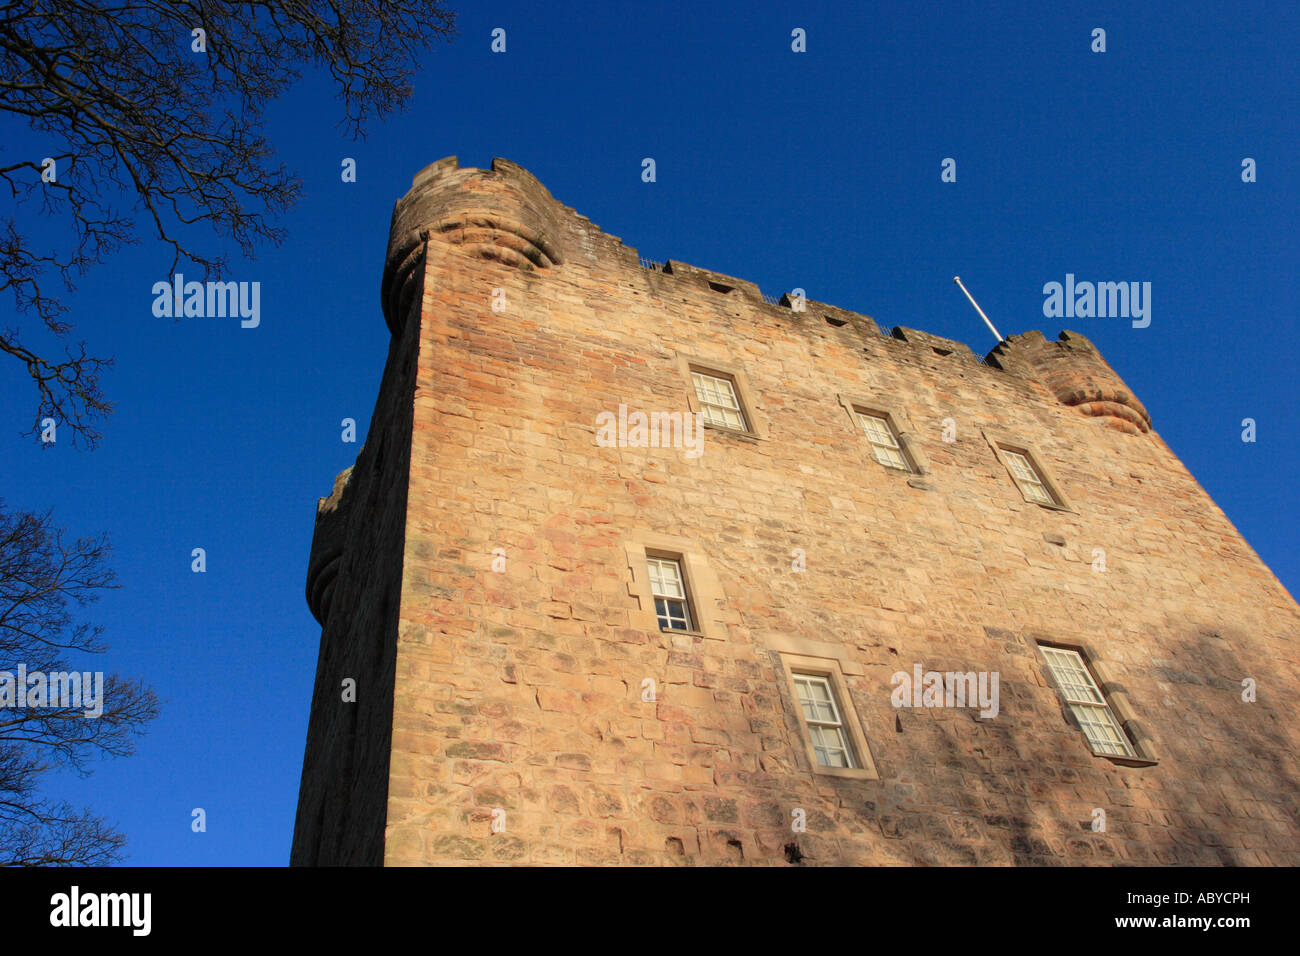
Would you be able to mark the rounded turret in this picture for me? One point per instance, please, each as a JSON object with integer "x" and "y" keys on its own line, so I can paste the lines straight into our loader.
{"x": 503, "y": 214}
{"x": 1073, "y": 370}
{"x": 327, "y": 547}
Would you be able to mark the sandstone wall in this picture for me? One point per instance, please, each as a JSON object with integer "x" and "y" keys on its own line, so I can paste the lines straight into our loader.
{"x": 522, "y": 690}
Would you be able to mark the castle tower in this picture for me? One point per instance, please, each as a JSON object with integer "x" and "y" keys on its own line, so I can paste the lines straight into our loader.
{"x": 638, "y": 566}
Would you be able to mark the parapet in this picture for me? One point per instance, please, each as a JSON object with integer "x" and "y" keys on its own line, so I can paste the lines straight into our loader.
{"x": 505, "y": 214}
{"x": 1074, "y": 371}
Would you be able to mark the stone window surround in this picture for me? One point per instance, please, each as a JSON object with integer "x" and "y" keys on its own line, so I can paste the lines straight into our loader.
{"x": 904, "y": 434}
{"x": 823, "y": 659}
{"x": 1116, "y": 696}
{"x": 744, "y": 394}
{"x": 703, "y": 591}
{"x": 1000, "y": 441}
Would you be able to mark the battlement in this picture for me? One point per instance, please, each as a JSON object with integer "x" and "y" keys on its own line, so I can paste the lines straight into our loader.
{"x": 506, "y": 215}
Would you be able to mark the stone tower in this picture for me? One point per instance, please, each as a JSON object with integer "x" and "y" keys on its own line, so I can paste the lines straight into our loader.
{"x": 639, "y": 566}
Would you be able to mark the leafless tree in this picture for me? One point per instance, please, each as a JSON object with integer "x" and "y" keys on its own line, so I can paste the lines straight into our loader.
{"x": 144, "y": 118}
{"x": 42, "y": 580}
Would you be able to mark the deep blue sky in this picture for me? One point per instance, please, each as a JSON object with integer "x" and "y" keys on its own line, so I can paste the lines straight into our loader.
{"x": 819, "y": 170}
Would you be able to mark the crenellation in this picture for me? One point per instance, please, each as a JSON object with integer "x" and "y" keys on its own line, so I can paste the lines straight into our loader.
{"x": 524, "y": 193}
{"x": 939, "y": 346}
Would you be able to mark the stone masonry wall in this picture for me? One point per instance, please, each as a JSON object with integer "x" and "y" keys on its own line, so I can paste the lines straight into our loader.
{"x": 521, "y": 690}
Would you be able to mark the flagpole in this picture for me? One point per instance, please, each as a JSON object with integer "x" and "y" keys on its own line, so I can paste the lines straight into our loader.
{"x": 957, "y": 279}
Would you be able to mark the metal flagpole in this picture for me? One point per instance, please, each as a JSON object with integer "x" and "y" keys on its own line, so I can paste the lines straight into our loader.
{"x": 957, "y": 279}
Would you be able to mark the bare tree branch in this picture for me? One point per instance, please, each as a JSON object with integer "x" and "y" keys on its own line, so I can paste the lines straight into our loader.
{"x": 42, "y": 578}
{"x": 142, "y": 117}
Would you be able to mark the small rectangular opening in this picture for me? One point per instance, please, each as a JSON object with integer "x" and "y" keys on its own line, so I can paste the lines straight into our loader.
{"x": 837, "y": 323}
{"x": 718, "y": 400}
{"x": 1083, "y": 696}
{"x": 1028, "y": 476}
{"x": 670, "y": 592}
{"x": 883, "y": 438}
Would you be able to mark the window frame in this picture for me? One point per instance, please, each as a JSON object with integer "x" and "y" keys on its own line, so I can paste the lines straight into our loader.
{"x": 703, "y": 591}
{"x": 755, "y": 422}
{"x": 828, "y": 669}
{"x": 652, "y": 555}
{"x": 706, "y": 405}
{"x": 862, "y": 416}
{"x": 900, "y": 428}
{"x": 1001, "y": 444}
{"x": 835, "y": 723}
{"x": 1114, "y": 700}
{"x": 1028, "y": 477}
